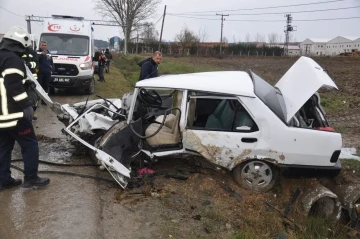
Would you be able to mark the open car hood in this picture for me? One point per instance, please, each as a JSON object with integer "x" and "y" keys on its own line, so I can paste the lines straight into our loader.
{"x": 300, "y": 82}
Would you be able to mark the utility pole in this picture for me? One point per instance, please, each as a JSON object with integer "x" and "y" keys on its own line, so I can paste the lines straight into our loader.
{"x": 162, "y": 27}
{"x": 222, "y": 26}
{"x": 288, "y": 28}
{"x": 28, "y": 24}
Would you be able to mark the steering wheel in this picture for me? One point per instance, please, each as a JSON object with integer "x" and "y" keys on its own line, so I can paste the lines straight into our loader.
{"x": 151, "y": 100}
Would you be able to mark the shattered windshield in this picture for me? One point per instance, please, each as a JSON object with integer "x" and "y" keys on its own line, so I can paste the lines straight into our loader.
{"x": 66, "y": 44}
{"x": 271, "y": 96}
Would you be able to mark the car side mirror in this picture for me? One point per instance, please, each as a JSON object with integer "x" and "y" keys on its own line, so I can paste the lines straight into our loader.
{"x": 243, "y": 128}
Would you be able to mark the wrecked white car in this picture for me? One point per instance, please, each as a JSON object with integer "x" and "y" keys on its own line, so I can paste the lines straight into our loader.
{"x": 233, "y": 119}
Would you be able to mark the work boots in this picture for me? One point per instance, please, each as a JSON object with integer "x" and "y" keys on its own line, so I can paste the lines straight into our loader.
{"x": 39, "y": 182}
{"x": 10, "y": 184}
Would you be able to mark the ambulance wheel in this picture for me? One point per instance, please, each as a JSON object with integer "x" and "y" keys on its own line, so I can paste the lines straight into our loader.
{"x": 91, "y": 88}
{"x": 51, "y": 90}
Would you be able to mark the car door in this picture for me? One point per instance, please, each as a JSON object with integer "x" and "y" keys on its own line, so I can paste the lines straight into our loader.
{"x": 220, "y": 129}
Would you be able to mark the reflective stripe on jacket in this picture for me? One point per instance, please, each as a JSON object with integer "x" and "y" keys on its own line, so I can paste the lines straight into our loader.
{"x": 13, "y": 97}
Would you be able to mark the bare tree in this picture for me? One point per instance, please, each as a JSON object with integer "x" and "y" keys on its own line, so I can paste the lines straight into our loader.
{"x": 234, "y": 39}
{"x": 186, "y": 39}
{"x": 259, "y": 37}
{"x": 281, "y": 38}
{"x": 127, "y": 13}
{"x": 225, "y": 40}
{"x": 247, "y": 37}
{"x": 148, "y": 33}
{"x": 273, "y": 38}
{"x": 203, "y": 35}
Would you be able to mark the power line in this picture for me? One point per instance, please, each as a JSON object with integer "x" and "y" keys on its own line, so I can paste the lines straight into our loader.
{"x": 270, "y": 7}
{"x": 11, "y": 12}
{"x": 249, "y": 20}
{"x": 158, "y": 20}
{"x": 273, "y": 13}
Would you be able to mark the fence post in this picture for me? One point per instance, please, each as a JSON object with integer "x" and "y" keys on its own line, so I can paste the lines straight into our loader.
{"x": 240, "y": 53}
{"x": 248, "y": 53}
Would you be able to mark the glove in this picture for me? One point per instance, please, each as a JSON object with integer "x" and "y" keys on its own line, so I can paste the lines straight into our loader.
{"x": 28, "y": 113}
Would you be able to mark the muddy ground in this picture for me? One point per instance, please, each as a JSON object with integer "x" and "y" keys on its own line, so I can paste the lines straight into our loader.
{"x": 74, "y": 207}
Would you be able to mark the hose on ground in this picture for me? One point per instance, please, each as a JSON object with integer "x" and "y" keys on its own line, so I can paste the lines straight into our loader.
{"x": 67, "y": 173}
{"x": 61, "y": 164}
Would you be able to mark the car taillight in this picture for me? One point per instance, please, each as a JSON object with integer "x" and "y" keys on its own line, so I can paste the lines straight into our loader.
{"x": 329, "y": 129}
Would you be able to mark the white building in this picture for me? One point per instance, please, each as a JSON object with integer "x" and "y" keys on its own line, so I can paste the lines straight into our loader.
{"x": 329, "y": 47}
{"x": 294, "y": 50}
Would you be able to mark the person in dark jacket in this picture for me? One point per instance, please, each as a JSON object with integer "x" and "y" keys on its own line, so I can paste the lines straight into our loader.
{"x": 149, "y": 66}
{"x": 108, "y": 56}
{"x": 101, "y": 59}
{"x": 16, "y": 113}
{"x": 46, "y": 66}
{"x": 31, "y": 60}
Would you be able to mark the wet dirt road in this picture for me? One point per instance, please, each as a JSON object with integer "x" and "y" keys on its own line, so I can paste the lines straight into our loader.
{"x": 70, "y": 207}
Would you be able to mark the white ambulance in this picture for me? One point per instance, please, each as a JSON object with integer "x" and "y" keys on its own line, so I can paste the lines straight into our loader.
{"x": 71, "y": 44}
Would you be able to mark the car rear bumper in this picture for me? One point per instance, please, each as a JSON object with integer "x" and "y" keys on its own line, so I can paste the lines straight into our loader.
{"x": 74, "y": 82}
{"x": 305, "y": 171}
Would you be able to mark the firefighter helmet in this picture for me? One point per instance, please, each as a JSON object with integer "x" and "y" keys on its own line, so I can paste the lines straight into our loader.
{"x": 20, "y": 35}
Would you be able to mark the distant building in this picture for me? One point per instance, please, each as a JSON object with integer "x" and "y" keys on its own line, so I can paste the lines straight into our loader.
{"x": 137, "y": 40}
{"x": 294, "y": 50}
{"x": 329, "y": 47}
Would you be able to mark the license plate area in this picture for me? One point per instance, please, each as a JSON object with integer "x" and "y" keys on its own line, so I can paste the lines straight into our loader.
{"x": 61, "y": 80}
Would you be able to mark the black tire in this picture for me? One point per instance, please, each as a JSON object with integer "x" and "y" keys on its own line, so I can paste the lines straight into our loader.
{"x": 91, "y": 88}
{"x": 256, "y": 175}
{"x": 51, "y": 90}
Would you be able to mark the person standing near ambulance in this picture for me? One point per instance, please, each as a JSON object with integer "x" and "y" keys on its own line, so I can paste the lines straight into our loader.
{"x": 46, "y": 66}
{"x": 16, "y": 113}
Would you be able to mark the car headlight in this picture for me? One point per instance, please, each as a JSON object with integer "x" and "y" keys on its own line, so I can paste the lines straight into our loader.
{"x": 85, "y": 66}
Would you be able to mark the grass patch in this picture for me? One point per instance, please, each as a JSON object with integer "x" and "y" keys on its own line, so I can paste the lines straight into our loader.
{"x": 128, "y": 66}
{"x": 125, "y": 73}
{"x": 332, "y": 102}
{"x": 353, "y": 164}
{"x": 115, "y": 85}
{"x": 317, "y": 228}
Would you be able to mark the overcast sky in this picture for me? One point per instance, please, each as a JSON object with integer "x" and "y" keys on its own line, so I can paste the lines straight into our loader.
{"x": 233, "y": 30}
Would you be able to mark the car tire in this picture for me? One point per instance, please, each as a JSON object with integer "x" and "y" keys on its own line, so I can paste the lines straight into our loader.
{"x": 256, "y": 175}
{"x": 51, "y": 90}
{"x": 91, "y": 88}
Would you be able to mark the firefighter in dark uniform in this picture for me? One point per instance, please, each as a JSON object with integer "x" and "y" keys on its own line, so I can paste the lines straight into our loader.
{"x": 16, "y": 113}
{"x": 31, "y": 60}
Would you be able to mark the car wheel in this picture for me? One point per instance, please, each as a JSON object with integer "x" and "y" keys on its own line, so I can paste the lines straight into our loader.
{"x": 91, "y": 88}
{"x": 52, "y": 90}
{"x": 256, "y": 175}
